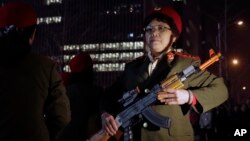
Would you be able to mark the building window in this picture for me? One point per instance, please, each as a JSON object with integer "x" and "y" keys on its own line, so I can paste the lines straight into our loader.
{"x": 49, "y": 2}
{"x": 106, "y": 56}
{"x": 49, "y": 20}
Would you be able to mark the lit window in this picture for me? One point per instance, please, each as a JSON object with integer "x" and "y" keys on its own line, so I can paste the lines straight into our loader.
{"x": 66, "y": 68}
{"x": 49, "y": 20}
{"x": 109, "y": 67}
{"x": 108, "y": 61}
{"x": 49, "y": 2}
{"x": 131, "y": 9}
{"x": 106, "y": 46}
{"x": 131, "y": 35}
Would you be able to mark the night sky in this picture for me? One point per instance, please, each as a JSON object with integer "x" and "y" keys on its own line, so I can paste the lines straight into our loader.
{"x": 235, "y": 40}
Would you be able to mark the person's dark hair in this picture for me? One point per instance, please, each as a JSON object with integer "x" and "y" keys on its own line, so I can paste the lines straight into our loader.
{"x": 86, "y": 77}
{"x": 14, "y": 42}
{"x": 162, "y": 18}
{"x": 27, "y": 32}
{"x": 20, "y": 35}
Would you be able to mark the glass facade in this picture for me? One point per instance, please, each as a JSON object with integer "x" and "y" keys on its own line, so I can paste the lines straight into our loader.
{"x": 111, "y": 31}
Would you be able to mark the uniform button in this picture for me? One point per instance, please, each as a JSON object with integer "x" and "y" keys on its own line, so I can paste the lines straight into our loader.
{"x": 146, "y": 91}
{"x": 145, "y": 125}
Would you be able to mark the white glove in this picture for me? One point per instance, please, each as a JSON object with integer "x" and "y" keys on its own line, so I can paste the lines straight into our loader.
{"x": 175, "y": 96}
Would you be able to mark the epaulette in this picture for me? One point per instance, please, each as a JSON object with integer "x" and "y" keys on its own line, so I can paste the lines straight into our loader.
{"x": 186, "y": 55}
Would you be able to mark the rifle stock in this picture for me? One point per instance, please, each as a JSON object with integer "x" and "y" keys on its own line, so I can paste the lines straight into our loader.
{"x": 174, "y": 81}
{"x": 102, "y": 136}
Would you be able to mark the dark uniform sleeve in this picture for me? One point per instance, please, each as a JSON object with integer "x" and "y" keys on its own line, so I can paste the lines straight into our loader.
{"x": 209, "y": 90}
{"x": 57, "y": 107}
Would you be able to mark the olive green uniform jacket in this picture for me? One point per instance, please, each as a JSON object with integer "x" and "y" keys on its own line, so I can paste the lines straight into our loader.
{"x": 33, "y": 101}
{"x": 209, "y": 90}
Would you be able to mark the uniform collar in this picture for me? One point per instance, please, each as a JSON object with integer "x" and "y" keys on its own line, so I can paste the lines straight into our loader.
{"x": 169, "y": 53}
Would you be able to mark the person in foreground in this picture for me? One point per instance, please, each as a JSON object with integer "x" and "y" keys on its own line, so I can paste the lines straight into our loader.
{"x": 33, "y": 101}
{"x": 202, "y": 91}
{"x": 84, "y": 95}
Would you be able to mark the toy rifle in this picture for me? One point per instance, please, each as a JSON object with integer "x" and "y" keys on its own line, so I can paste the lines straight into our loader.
{"x": 142, "y": 105}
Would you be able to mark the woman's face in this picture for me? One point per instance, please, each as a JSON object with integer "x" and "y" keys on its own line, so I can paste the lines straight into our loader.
{"x": 159, "y": 37}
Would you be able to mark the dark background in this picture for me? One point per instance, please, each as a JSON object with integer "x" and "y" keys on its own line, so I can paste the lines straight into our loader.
{"x": 206, "y": 24}
{"x": 108, "y": 21}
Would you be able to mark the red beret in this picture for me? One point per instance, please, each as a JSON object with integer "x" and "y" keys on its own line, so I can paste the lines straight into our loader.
{"x": 81, "y": 62}
{"x": 172, "y": 13}
{"x": 17, "y": 13}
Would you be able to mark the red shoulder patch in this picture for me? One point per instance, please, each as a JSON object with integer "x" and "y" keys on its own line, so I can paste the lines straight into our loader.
{"x": 186, "y": 55}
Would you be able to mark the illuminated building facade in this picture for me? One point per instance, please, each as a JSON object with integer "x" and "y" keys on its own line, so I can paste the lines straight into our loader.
{"x": 111, "y": 31}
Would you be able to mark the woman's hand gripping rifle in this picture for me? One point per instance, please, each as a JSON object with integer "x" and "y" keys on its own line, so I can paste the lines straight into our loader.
{"x": 142, "y": 105}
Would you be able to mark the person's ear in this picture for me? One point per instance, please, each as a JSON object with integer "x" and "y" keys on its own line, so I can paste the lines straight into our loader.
{"x": 174, "y": 38}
